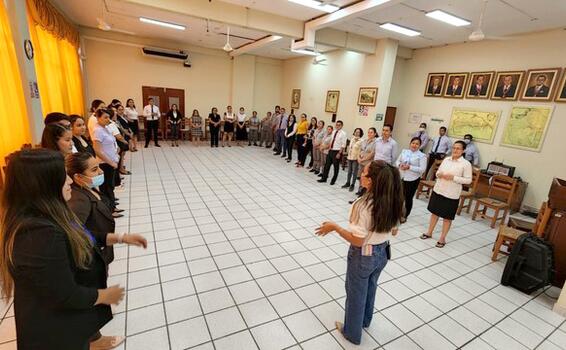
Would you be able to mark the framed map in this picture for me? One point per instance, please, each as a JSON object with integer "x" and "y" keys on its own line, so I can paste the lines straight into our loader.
{"x": 482, "y": 125}
{"x": 526, "y": 127}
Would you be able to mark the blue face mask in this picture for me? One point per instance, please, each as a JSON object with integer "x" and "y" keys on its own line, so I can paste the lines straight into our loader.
{"x": 96, "y": 181}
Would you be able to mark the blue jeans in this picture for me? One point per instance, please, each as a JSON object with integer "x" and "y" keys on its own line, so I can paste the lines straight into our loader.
{"x": 280, "y": 145}
{"x": 361, "y": 283}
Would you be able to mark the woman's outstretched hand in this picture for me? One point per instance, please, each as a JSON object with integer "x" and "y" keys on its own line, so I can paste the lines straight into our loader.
{"x": 325, "y": 228}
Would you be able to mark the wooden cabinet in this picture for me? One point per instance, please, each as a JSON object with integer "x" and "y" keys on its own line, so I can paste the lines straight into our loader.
{"x": 517, "y": 200}
{"x": 556, "y": 234}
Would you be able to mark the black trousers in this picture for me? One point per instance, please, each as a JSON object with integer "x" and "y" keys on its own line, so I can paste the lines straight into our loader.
{"x": 289, "y": 142}
{"x": 301, "y": 150}
{"x": 331, "y": 160}
{"x": 431, "y": 158}
{"x": 214, "y": 131}
{"x": 152, "y": 127}
{"x": 107, "y": 188}
{"x": 309, "y": 150}
{"x": 409, "y": 188}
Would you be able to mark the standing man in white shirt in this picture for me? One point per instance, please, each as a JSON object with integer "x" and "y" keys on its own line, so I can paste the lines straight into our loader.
{"x": 337, "y": 147}
{"x": 152, "y": 115}
{"x": 385, "y": 146}
{"x": 440, "y": 147}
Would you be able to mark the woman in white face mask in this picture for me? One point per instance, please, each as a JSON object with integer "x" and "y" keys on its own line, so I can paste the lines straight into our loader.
{"x": 93, "y": 211}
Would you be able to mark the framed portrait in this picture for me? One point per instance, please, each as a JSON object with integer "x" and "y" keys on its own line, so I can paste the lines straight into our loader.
{"x": 455, "y": 85}
{"x": 561, "y": 95}
{"x": 540, "y": 84}
{"x": 332, "y": 97}
{"x": 296, "y": 98}
{"x": 507, "y": 85}
{"x": 526, "y": 127}
{"x": 480, "y": 85}
{"x": 435, "y": 84}
{"x": 367, "y": 96}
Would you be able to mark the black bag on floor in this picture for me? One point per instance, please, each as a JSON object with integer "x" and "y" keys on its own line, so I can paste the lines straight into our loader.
{"x": 530, "y": 264}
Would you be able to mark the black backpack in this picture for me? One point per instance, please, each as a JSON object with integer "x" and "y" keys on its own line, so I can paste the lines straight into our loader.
{"x": 530, "y": 265}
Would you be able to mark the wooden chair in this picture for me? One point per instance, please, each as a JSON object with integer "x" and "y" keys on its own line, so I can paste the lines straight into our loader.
{"x": 469, "y": 193}
{"x": 426, "y": 186}
{"x": 504, "y": 187}
{"x": 507, "y": 235}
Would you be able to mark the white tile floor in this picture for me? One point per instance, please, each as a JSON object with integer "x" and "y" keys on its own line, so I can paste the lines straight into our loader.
{"x": 233, "y": 264}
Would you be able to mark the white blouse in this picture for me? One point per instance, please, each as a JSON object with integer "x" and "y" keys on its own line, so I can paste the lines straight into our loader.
{"x": 241, "y": 117}
{"x": 229, "y": 116}
{"x": 462, "y": 171}
{"x": 131, "y": 113}
{"x": 361, "y": 228}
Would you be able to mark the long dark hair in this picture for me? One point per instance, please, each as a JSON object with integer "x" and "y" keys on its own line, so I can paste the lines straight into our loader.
{"x": 128, "y": 102}
{"x": 385, "y": 198}
{"x": 34, "y": 182}
{"x": 95, "y": 104}
{"x": 311, "y": 126}
{"x": 51, "y": 134}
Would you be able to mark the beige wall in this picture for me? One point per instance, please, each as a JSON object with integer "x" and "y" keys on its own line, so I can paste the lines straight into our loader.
{"x": 541, "y": 50}
{"x": 117, "y": 70}
{"x": 345, "y": 71}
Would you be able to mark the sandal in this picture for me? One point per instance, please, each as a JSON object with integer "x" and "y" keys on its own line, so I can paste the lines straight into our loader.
{"x": 106, "y": 342}
{"x": 425, "y": 236}
{"x": 339, "y": 327}
{"x": 440, "y": 244}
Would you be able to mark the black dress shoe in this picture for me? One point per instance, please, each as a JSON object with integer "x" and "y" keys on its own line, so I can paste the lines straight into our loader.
{"x": 346, "y": 186}
{"x": 312, "y": 171}
{"x": 351, "y": 202}
{"x": 145, "y": 146}
{"x": 320, "y": 175}
{"x": 351, "y": 189}
{"x": 118, "y": 210}
{"x": 321, "y": 180}
{"x": 332, "y": 183}
{"x": 316, "y": 172}
{"x": 157, "y": 145}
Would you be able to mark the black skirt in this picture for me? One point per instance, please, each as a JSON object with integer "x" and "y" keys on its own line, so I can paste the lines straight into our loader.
{"x": 241, "y": 133}
{"x": 443, "y": 207}
{"x": 134, "y": 127}
{"x": 228, "y": 127}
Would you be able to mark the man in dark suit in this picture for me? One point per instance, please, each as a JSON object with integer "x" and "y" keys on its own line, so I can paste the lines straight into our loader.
{"x": 455, "y": 89}
{"x": 435, "y": 87}
{"x": 479, "y": 88}
{"x": 538, "y": 90}
{"x": 507, "y": 89}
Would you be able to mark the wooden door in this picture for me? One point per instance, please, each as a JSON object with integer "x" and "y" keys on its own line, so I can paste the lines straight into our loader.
{"x": 390, "y": 116}
{"x": 164, "y": 98}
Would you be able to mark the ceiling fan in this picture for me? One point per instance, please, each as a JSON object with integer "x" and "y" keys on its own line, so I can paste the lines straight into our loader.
{"x": 228, "y": 47}
{"x": 478, "y": 34}
{"x": 105, "y": 26}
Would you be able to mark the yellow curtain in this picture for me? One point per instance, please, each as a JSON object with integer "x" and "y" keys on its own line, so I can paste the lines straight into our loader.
{"x": 58, "y": 71}
{"x": 14, "y": 125}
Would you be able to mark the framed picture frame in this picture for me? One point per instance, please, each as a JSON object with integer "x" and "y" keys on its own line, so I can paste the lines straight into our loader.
{"x": 296, "y": 98}
{"x": 561, "y": 94}
{"x": 479, "y": 85}
{"x": 507, "y": 85}
{"x": 540, "y": 84}
{"x": 332, "y": 98}
{"x": 435, "y": 84}
{"x": 367, "y": 96}
{"x": 520, "y": 131}
{"x": 455, "y": 86}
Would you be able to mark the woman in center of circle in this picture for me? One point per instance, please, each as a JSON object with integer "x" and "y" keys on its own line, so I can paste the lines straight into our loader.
{"x": 454, "y": 171}
{"x": 373, "y": 217}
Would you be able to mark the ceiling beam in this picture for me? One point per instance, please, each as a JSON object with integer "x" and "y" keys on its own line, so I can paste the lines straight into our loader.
{"x": 230, "y": 14}
{"x": 255, "y": 45}
{"x": 308, "y": 41}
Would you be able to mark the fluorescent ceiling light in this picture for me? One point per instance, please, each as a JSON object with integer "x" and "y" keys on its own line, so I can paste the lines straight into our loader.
{"x": 316, "y": 4}
{"x": 398, "y": 29}
{"x": 448, "y": 18}
{"x": 161, "y": 23}
{"x": 306, "y": 52}
{"x": 276, "y": 37}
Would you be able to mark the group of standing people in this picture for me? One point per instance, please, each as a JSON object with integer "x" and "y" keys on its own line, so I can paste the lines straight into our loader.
{"x": 57, "y": 224}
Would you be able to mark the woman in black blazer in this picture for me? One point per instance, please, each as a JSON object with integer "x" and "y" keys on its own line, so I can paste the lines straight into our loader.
{"x": 56, "y": 273}
{"x": 78, "y": 127}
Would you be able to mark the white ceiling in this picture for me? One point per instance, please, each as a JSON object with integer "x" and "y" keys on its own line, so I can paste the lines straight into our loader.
{"x": 501, "y": 19}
